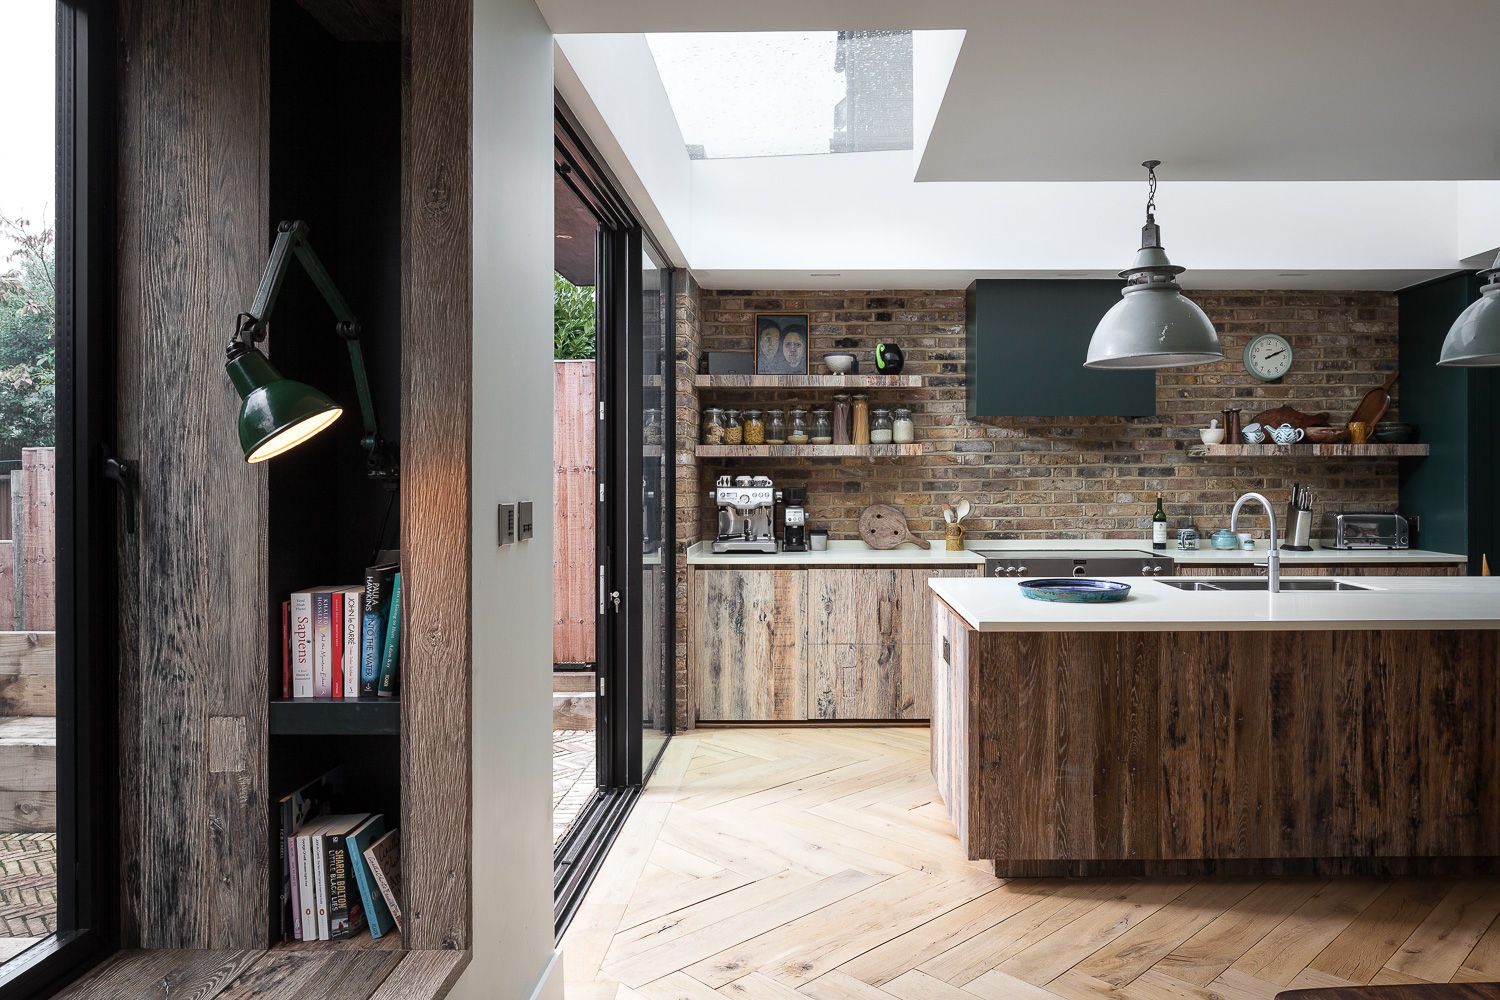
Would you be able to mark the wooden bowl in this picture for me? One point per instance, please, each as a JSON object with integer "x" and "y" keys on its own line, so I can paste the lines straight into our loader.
{"x": 1328, "y": 435}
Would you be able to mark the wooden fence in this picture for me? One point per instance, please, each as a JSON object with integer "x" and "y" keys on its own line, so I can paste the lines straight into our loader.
{"x": 28, "y": 543}
{"x": 573, "y": 554}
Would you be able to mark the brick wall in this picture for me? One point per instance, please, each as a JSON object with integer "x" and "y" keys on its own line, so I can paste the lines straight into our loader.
{"x": 1066, "y": 477}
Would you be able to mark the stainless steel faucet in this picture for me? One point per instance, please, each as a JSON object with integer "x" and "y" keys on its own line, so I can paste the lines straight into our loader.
{"x": 1273, "y": 560}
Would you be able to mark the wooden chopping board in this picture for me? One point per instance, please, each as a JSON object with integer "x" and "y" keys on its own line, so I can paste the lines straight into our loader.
{"x": 884, "y": 527}
{"x": 1374, "y": 404}
{"x": 1290, "y": 415}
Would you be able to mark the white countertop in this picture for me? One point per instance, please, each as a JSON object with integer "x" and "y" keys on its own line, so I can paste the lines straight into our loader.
{"x": 840, "y": 553}
{"x": 1394, "y": 602}
{"x": 856, "y": 553}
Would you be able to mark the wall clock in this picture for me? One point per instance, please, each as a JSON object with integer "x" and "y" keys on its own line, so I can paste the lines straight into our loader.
{"x": 1268, "y": 357}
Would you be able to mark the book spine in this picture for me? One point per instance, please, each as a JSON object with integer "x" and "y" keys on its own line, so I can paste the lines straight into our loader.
{"x": 369, "y": 663}
{"x": 320, "y": 886}
{"x": 322, "y": 644}
{"x": 305, "y": 894}
{"x": 336, "y": 644}
{"x": 286, "y": 650}
{"x": 289, "y": 845}
{"x": 353, "y": 623}
{"x": 391, "y": 655}
{"x": 367, "y": 890}
{"x": 336, "y": 868}
{"x": 385, "y": 886}
{"x": 303, "y": 644}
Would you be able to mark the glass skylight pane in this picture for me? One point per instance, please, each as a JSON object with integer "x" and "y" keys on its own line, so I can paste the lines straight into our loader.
{"x": 785, "y": 93}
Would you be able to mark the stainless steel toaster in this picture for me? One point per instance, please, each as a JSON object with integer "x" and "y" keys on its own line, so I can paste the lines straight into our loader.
{"x": 1365, "y": 531}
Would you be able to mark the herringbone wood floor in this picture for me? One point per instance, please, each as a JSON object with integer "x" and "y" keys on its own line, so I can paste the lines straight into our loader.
{"x": 819, "y": 863}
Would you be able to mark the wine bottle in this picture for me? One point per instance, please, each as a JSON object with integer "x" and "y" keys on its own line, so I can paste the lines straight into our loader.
{"x": 1159, "y": 526}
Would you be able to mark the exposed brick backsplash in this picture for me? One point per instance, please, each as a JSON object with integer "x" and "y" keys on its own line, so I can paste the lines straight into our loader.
{"x": 688, "y": 490}
{"x": 1068, "y": 477}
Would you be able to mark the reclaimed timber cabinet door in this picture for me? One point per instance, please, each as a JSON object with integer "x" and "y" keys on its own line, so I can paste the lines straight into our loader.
{"x": 850, "y": 643}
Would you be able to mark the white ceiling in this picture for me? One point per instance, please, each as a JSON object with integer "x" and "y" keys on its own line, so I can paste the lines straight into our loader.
{"x": 1220, "y": 90}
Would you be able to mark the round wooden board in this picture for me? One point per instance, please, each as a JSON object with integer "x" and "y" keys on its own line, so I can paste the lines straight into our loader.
{"x": 884, "y": 527}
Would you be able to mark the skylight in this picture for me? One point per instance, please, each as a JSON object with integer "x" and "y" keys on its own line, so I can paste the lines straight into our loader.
{"x": 787, "y": 93}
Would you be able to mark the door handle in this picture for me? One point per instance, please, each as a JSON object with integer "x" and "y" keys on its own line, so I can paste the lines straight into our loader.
{"x": 614, "y": 595}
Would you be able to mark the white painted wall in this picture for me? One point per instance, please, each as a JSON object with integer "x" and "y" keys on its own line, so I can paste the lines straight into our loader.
{"x": 1478, "y": 206}
{"x": 512, "y": 459}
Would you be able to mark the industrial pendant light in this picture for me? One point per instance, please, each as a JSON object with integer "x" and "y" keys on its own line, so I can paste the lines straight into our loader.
{"x": 1473, "y": 340}
{"x": 1153, "y": 325}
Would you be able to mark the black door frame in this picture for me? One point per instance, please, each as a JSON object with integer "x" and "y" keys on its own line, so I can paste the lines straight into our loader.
{"x": 619, "y": 323}
{"x": 85, "y": 509}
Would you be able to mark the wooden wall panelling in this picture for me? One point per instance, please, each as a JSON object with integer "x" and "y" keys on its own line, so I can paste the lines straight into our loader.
{"x": 193, "y": 236}
{"x": 436, "y": 404}
{"x": 747, "y": 643}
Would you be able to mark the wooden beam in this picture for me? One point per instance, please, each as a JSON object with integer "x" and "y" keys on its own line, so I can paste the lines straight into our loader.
{"x": 437, "y": 381}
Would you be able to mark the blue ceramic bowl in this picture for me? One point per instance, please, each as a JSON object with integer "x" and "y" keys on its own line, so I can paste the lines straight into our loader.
{"x": 1075, "y": 590}
{"x": 1224, "y": 539}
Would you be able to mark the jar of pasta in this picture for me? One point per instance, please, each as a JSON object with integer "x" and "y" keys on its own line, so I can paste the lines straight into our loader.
{"x": 734, "y": 431}
{"x": 754, "y": 428}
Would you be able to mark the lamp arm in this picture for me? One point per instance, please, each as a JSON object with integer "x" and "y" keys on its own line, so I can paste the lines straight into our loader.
{"x": 291, "y": 239}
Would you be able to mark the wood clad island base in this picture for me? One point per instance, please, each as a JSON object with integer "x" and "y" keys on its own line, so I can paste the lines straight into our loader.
{"x": 1195, "y": 752}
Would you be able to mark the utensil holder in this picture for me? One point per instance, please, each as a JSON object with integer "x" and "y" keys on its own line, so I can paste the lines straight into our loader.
{"x": 954, "y": 535}
{"x": 1299, "y": 531}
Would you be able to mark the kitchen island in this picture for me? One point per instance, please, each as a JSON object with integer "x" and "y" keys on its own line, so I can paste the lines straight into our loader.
{"x": 1188, "y": 731}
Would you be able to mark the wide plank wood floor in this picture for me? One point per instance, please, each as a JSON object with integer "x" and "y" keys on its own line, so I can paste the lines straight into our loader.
{"x": 787, "y": 864}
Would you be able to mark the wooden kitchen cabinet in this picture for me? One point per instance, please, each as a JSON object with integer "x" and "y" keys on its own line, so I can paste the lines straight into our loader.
{"x": 859, "y": 643}
{"x": 747, "y": 638}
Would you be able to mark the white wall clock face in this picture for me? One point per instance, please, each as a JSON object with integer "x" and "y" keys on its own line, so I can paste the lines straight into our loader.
{"x": 1268, "y": 356}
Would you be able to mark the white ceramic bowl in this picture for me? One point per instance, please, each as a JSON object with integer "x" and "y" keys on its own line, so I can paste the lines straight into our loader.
{"x": 839, "y": 364}
{"x": 1212, "y": 435}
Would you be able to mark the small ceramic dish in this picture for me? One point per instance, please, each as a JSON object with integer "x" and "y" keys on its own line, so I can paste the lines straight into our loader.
{"x": 839, "y": 364}
{"x": 1075, "y": 590}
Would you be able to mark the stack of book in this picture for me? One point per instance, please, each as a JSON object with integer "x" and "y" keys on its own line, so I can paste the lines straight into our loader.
{"x": 343, "y": 642}
{"x": 340, "y": 873}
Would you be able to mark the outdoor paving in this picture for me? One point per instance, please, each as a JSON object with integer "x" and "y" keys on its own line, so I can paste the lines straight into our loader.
{"x": 573, "y": 777}
{"x": 28, "y": 886}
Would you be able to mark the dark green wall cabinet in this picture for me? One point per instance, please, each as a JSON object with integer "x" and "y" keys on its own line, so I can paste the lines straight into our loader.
{"x": 1026, "y": 341}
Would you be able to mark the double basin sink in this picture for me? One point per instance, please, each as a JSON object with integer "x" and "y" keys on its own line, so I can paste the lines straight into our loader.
{"x": 1300, "y": 585}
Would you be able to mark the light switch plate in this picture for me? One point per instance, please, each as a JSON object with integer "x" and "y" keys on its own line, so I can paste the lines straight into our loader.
{"x": 507, "y": 522}
{"x": 523, "y": 520}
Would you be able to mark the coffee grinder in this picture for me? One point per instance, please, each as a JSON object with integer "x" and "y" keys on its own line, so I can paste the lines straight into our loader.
{"x": 794, "y": 518}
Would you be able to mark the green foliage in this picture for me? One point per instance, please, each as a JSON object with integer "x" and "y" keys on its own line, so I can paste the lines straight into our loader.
{"x": 573, "y": 312}
{"x": 28, "y": 337}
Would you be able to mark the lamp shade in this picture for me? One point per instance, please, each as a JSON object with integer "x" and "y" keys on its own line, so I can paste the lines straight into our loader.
{"x": 276, "y": 414}
{"x": 1153, "y": 326}
{"x": 1473, "y": 340}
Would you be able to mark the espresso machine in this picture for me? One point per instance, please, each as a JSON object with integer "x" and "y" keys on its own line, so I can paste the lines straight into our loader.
{"x": 793, "y": 518}
{"x": 747, "y": 514}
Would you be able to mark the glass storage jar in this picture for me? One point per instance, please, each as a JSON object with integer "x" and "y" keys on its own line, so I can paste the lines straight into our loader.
{"x": 903, "y": 431}
{"x": 880, "y": 427}
{"x": 713, "y": 426}
{"x": 755, "y": 428}
{"x": 734, "y": 431}
{"x": 841, "y": 418}
{"x": 822, "y": 428}
{"x": 775, "y": 427}
{"x": 797, "y": 433}
{"x": 859, "y": 426}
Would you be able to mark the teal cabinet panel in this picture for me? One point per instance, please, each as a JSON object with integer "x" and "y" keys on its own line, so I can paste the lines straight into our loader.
{"x": 1025, "y": 343}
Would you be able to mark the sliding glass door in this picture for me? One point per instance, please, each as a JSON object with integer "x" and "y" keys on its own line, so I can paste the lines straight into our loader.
{"x": 657, "y": 572}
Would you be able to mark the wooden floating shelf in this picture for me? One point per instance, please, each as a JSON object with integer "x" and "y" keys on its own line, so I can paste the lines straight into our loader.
{"x": 807, "y": 381}
{"x": 335, "y": 717}
{"x": 807, "y": 450}
{"x": 1372, "y": 450}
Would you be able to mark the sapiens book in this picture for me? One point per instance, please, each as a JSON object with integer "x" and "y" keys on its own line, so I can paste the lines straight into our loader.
{"x": 391, "y": 654}
{"x": 377, "y": 913}
{"x": 353, "y": 623}
{"x": 384, "y": 859}
{"x": 300, "y": 608}
{"x": 372, "y": 642}
{"x": 296, "y": 810}
{"x": 346, "y": 911}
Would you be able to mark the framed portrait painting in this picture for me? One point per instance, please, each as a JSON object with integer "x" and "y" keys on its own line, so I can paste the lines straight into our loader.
{"x": 781, "y": 343}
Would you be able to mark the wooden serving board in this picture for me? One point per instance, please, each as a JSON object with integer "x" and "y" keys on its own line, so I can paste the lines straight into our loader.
{"x": 1290, "y": 415}
{"x": 884, "y": 527}
{"x": 1374, "y": 404}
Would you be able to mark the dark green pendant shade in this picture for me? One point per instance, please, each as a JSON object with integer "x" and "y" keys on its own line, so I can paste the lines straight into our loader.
{"x": 275, "y": 413}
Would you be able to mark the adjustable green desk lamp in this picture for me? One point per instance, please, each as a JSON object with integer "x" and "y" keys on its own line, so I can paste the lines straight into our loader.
{"x": 276, "y": 413}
